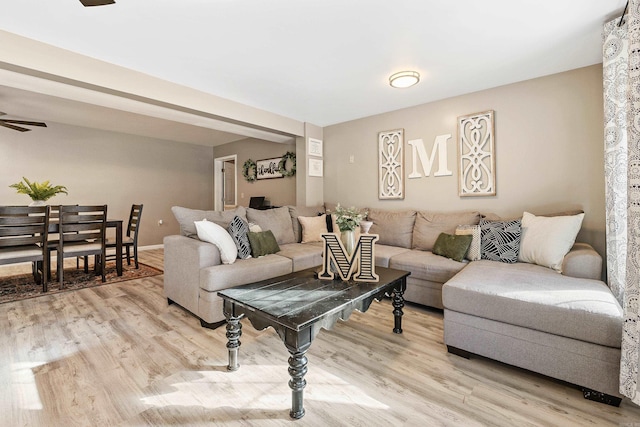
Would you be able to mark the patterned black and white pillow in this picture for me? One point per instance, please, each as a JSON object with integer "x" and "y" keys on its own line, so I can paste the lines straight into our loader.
{"x": 500, "y": 240}
{"x": 238, "y": 228}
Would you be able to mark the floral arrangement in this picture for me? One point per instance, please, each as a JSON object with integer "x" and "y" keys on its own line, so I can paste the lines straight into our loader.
{"x": 38, "y": 191}
{"x": 348, "y": 218}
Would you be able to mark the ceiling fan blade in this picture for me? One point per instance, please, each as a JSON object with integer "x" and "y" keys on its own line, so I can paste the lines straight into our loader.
{"x": 18, "y": 128}
{"x": 87, "y": 3}
{"x": 22, "y": 122}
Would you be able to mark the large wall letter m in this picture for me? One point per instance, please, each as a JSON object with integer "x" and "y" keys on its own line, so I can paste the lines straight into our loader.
{"x": 362, "y": 261}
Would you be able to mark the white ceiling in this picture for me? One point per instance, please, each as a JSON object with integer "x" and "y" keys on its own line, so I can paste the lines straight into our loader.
{"x": 324, "y": 61}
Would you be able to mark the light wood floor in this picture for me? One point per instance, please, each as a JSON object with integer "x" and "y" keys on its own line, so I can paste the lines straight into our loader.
{"x": 117, "y": 355}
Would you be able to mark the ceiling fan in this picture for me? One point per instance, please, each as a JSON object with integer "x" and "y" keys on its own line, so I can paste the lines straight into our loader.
{"x": 87, "y": 3}
{"x": 11, "y": 124}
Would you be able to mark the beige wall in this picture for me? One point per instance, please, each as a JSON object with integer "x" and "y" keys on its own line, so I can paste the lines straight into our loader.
{"x": 110, "y": 168}
{"x": 549, "y": 151}
{"x": 280, "y": 191}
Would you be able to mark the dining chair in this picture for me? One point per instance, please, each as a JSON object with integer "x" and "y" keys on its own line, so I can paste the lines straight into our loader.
{"x": 130, "y": 241}
{"x": 81, "y": 233}
{"x": 23, "y": 238}
{"x": 52, "y": 240}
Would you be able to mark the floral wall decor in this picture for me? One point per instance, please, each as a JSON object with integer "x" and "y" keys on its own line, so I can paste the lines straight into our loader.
{"x": 391, "y": 164}
{"x": 477, "y": 176}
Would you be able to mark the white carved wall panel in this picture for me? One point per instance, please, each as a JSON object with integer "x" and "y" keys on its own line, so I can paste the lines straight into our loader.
{"x": 476, "y": 155}
{"x": 391, "y": 164}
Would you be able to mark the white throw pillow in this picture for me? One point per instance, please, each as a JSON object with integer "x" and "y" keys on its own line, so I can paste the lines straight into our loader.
{"x": 546, "y": 240}
{"x": 474, "y": 249}
{"x": 215, "y": 234}
{"x": 313, "y": 227}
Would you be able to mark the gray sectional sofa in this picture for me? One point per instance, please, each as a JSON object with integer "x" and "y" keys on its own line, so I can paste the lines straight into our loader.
{"x": 564, "y": 325}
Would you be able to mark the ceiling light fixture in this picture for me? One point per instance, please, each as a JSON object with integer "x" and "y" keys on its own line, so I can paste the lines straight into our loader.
{"x": 404, "y": 79}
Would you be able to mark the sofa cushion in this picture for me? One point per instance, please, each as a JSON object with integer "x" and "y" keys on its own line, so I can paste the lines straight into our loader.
{"x": 296, "y": 211}
{"x": 186, "y": 217}
{"x": 243, "y": 271}
{"x": 218, "y": 236}
{"x": 500, "y": 240}
{"x": 427, "y": 266}
{"x": 395, "y": 228}
{"x": 546, "y": 240}
{"x": 277, "y": 220}
{"x": 384, "y": 253}
{"x": 313, "y": 227}
{"x": 538, "y": 298}
{"x": 302, "y": 255}
{"x": 429, "y": 225}
{"x": 452, "y": 246}
{"x": 262, "y": 243}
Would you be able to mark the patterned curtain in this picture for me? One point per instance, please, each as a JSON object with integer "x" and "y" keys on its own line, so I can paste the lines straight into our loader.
{"x": 621, "y": 77}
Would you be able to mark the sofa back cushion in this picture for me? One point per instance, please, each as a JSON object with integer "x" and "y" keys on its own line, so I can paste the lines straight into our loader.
{"x": 429, "y": 225}
{"x": 277, "y": 220}
{"x": 186, "y": 218}
{"x": 394, "y": 227}
{"x": 296, "y": 211}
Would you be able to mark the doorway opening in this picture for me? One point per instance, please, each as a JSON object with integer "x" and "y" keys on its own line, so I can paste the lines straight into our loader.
{"x": 225, "y": 183}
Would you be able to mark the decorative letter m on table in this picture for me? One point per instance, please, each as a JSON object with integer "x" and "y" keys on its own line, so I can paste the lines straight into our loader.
{"x": 360, "y": 263}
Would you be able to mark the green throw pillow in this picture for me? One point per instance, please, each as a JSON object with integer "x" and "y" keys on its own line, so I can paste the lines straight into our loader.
{"x": 450, "y": 246}
{"x": 263, "y": 243}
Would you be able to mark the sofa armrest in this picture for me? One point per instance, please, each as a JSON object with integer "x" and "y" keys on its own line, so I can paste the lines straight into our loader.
{"x": 183, "y": 259}
{"x": 583, "y": 262}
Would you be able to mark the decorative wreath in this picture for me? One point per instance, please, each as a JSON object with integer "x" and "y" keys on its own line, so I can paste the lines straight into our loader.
{"x": 249, "y": 170}
{"x": 282, "y": 167}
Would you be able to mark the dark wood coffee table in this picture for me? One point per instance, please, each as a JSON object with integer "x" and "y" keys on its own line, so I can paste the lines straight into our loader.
{"x": 297, "y": 306}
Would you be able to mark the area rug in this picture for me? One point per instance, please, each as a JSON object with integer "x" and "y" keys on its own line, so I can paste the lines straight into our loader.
{"x": 22, "y": 286}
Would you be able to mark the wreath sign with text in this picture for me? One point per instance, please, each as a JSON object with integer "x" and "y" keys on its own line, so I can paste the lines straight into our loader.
{"x": 250, "y": 168}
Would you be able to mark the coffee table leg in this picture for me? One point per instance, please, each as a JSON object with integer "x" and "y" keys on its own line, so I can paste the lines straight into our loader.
{"x": 297, "y": 370}
{"x": 398, "y": 304}
{"x": 234, "y": 330}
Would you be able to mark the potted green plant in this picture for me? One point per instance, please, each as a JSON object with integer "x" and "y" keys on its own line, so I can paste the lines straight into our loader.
{"x": 348, "y": 219}
{"x": 39, "y": 192}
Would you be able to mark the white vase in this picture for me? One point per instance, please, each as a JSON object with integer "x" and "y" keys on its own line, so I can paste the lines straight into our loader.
{"x": 365, "y": 226}
{"x": 38, "y": 203}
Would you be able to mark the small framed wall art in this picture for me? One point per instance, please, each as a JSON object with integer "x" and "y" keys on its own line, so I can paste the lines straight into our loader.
{"x": 391, "y": 164}
{"x": 315, "y": 167}
{"x": 476, "y": 157}
{"x": 315, "y": 147}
